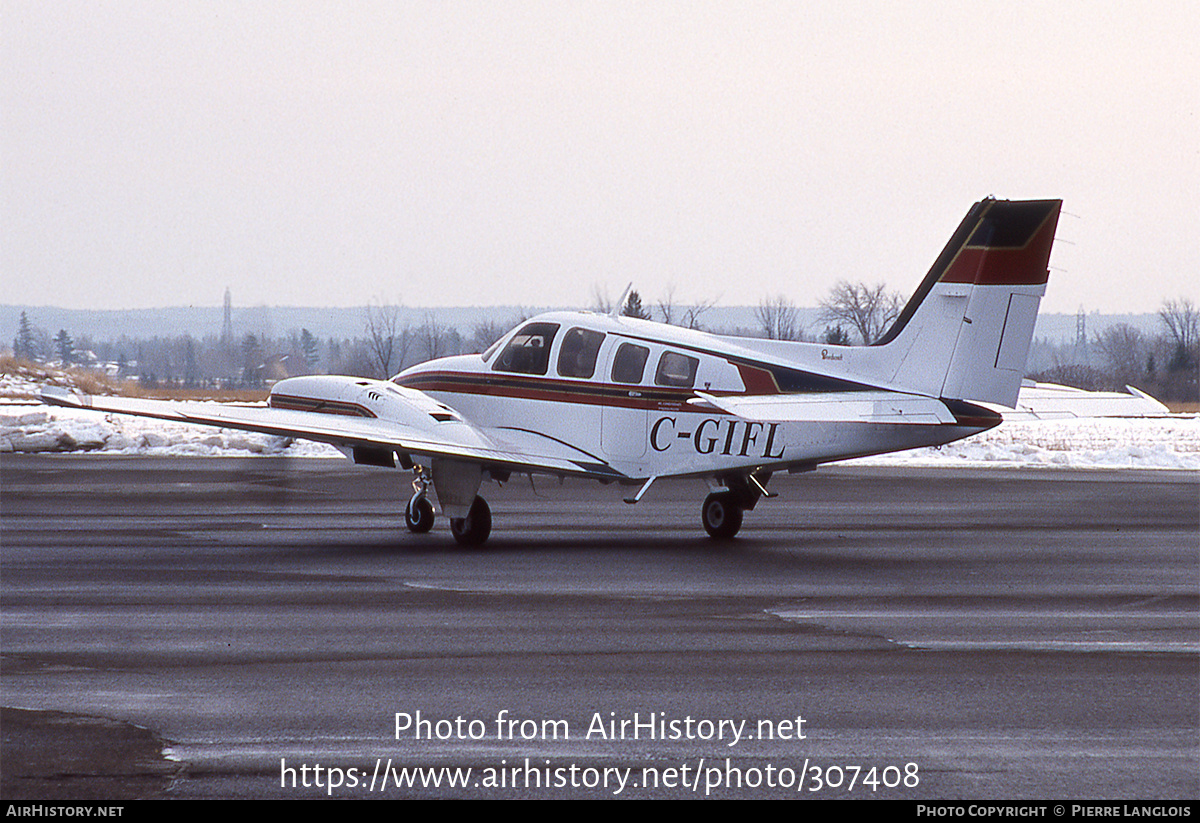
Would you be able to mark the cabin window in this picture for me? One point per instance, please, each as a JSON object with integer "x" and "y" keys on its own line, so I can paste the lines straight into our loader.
{"x": 629, "y": 364}
{"x": 528, "y": 352}
{"x": 676, "y": 370}
{"x": 577, "y": 355}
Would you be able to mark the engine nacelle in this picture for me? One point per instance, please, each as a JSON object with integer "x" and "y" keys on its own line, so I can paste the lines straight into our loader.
{"x": 360, "y": 397}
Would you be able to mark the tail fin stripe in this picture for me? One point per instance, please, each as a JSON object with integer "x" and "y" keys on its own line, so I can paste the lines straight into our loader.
{"x": 1009, "y": 247}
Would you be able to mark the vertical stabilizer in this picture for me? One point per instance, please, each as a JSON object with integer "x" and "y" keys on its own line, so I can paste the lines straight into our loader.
{"x": 966, "y": 332}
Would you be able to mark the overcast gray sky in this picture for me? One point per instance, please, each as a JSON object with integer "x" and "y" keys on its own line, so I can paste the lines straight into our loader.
{"x": 448, "y": 153}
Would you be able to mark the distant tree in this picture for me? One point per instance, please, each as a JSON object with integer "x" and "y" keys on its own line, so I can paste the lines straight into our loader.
{"x": 65, "y": 346}
{"x": 835, "y": 336}
{"x": 309, "y": 349}
{"x": 191, "y": 366}
{"x": 388, "y": 343}
{"x": 484, "y": 334}
{"x": 778, "y": 318}
{"x": 673, "y": 313}
{"x": 600, "y": 302}
{"x": 24, "y": 344}
{"x": 693, "y": 313}
{"x": 666, "y": 305}
{"x": 431, "y": 337}
{"x": 633, "y": 307}
{"x": 1182, "y": 320}
{"x": 869, "y": 310}
{"x": 333, "y": 351}
{"x": 1123, "y": 349}
{"x": 356, "y": 359}
{"x": 252, "y": 362}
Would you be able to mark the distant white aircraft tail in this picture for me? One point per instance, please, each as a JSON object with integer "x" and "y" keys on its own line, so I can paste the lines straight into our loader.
{"x": 966, "y": 331}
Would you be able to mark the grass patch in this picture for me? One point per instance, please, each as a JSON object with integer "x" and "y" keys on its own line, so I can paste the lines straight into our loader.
{"x": 90, "y": 381}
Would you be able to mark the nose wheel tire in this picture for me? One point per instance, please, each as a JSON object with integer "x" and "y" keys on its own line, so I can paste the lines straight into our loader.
{"x": 418, "y": 514}
{"x": 721, "y": 515}
{"x": 473, "y": 529}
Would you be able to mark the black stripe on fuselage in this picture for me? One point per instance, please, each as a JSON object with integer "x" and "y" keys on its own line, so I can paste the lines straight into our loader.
{"x": 788, "y": 381}
{"x": 545, "y": 388}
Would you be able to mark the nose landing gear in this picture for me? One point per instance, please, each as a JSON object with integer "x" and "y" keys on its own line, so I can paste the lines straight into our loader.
{"x": 418, "y": 514}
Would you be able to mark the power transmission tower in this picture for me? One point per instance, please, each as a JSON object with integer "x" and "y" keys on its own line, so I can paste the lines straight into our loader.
{"x": 1081, "y": 347}
{"x": 227, "y": 329}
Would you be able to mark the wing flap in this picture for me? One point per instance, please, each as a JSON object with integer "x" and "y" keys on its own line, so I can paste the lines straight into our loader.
{"x": 862, "y": 407}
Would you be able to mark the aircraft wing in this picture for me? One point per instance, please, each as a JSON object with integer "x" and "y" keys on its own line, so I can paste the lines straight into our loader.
{"x": 863, "y": 407}
{"x": 508, "y": 449}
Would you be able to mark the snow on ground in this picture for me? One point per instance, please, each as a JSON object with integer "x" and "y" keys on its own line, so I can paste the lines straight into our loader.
{"x": 1171, "y": 442}
{"x": 41, "y": 428}
{"x": 1168, "y": 442}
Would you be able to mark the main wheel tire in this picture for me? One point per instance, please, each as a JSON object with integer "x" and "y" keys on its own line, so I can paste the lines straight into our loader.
{"x": 721, "y": 515}
{"x": 473, "y": 529}
{"x": 418, "y": 514}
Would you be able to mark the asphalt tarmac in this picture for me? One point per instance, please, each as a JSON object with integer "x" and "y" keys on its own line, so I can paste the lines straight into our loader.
{"x": 271, "y": 626}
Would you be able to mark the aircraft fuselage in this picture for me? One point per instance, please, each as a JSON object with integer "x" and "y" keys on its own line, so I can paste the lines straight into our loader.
{"x": 638, "y": 408}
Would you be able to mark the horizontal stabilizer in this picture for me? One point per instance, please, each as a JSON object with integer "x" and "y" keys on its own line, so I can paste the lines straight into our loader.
{"x": 1048, "y": 401}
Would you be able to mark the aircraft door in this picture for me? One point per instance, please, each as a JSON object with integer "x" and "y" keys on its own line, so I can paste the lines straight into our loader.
{"x": 625, "y": 418}
{"x": 623, "y": 431}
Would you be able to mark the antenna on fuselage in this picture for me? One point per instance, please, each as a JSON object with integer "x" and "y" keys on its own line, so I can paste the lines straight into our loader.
{"x": 619, "y": 306}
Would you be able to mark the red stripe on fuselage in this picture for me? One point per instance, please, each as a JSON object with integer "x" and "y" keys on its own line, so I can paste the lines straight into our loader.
{"x": 757, "y": 381}
{"x": 551, "y": 390}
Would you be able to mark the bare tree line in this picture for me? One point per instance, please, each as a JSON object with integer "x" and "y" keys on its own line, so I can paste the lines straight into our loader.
{"x": 254, "y": 359}
{"x": 1163, "y": 364}
{"x": 866, "y": 310}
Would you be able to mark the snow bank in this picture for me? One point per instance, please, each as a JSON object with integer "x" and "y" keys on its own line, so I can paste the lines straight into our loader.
{"x": 40, "y": 428}
{"x": 1168, "y": 442}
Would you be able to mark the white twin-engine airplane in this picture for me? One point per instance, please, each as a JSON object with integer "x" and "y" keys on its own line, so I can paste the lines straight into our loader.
{"x": 619, "y": 399}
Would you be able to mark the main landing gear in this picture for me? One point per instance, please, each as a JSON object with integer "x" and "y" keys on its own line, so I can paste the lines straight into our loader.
{"x": 722, "y": 515}
{"x": 723, "y": 510}
{"x": 471, "y": 530}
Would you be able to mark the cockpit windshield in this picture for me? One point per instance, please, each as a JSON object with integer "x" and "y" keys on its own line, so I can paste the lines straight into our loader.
{"x": 528, "y": 352}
